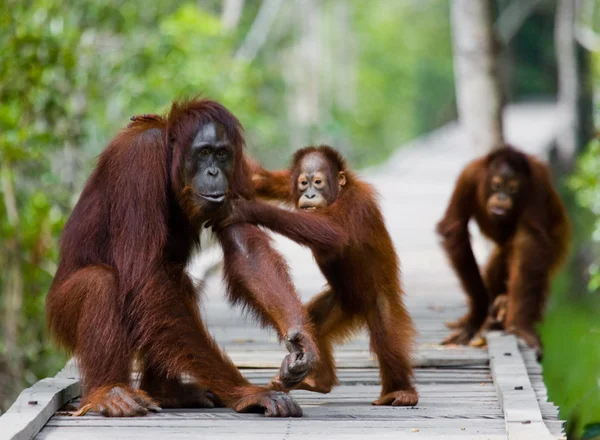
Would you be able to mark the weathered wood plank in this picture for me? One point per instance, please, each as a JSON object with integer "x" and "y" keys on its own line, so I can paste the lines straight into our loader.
{"x": 425, "y": 357}
{"x": 370, "y": 376}
{"x": 477, "y": 417}
{"x": 518, "y": 400}
{"x": 288, "y": 429}
{"x": 35, "y": 406}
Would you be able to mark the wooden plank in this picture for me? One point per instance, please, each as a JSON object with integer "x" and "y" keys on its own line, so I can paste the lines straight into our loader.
{"x": 185, "y": 434}
{"x": 35, "y": 405}
{"x": 518, "y": 400}
{"x": 425, "y": 357}
{"x": 345, "y": 413}
{"x": 549, "y": 411}
{"x": 70, "y": 370}
{"x": 258, "y": 426}
{"x": 370, "y": 376}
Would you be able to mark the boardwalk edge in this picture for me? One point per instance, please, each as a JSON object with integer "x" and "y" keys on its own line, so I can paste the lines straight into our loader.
{"x": 516, "y": 395}
{"x": 36, "y": 405}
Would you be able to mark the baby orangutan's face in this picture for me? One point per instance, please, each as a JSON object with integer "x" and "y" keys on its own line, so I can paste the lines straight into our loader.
{"x": 316, "y": 186}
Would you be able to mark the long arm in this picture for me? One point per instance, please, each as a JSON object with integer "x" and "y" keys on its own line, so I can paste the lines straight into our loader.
{"x": 315, "y": 230}
{"x": 271, "y": 185}
{"x": 539, "y": 247}
{"x": 257, "y": 276}
{"x": 453, "y": 229}
{"x": 141, "y": 208}
{"x": 528, "y": 283}
{"x": 558, "y": 229}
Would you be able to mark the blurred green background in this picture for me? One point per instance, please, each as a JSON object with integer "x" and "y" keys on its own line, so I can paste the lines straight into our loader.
{"x": 366, "y": 77}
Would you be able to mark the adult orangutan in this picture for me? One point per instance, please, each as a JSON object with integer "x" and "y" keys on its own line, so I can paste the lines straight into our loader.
{"x": 511, "y": 197}
{"x": 363, "y": 276}
{"x": 121, "y": 290}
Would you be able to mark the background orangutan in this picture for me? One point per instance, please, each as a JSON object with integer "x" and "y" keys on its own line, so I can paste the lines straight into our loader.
{"x": 363, "y": 274}
{"x": 121, "y": 288}
{"x": 511, "y": 197}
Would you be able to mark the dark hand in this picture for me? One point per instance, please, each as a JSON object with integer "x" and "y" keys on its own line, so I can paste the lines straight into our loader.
{"x": 117, "y": 401}
{"x": 469, "y": 327}
{"x": 460, "y": 337}
{"x": 271, "y": 403}
{"x": 408, "y": 397}
{"x": 233, "y": 212}
{"x": 146, "y": 117}
{"x": 459, "y": 323}
{"x": 499, "y": 308}
{"x": 497, "y": 314}
{"x": 256, "y": 169}
{"x": 530, "y": 337}
{"x": 299, "y": 363}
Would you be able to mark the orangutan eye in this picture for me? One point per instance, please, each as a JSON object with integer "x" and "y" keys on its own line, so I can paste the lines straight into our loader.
{"x": 221, "y": 154}
{"x": 205, "y": 152}
{"x": 318, "y": 181}
{"x": 304, "y": 183}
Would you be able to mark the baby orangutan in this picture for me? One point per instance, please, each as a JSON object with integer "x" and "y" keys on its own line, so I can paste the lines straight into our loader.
{"x": 362, "y": 272}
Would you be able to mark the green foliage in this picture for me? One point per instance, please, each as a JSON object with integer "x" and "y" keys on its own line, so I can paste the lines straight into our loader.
{"x": 533, "y": 54}
{"x": 405, "y": 81}
{"x": 37, "y": 72}
{"x": 586, "y": 184}
{"x": 570, "y": 330}
{"x": 571, "y": 363}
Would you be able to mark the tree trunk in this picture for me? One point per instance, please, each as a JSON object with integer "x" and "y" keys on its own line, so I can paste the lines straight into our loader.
{"x": 478, "y": 88}
{"x": 232, "y": 13}
{"x": 512, "y": 18}
{"x": 13, "y": 282}
{"x": 574, "y": 87}
{"x": 302, "y": 72}
{"x": 258, "y": 33}
{"x": 345, "y": 80}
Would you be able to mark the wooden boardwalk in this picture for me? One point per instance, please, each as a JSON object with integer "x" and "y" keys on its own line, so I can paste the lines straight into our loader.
{"x": 465, "y": 393}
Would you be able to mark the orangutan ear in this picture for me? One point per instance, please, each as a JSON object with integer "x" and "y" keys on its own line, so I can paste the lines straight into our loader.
{"x": 342, "y": 178}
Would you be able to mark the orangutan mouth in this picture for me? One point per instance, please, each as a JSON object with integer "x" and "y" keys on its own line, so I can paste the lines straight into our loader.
{"x": 214, "y": 198}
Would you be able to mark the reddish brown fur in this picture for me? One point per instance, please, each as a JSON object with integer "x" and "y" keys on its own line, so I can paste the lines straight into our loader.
{"x": 270, "y": 185}
{"x": 530, "y": 245}
{"x": 362, "y": 271}
{"x": 121, "y": 288}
